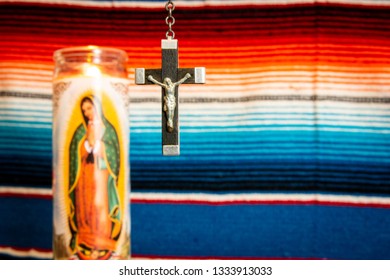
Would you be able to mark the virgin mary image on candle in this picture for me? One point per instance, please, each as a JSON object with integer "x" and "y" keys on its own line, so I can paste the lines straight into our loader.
{"x": 94, "y": 158}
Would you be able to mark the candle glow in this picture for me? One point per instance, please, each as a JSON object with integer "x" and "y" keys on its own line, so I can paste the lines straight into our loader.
{"x": 91, "y": 70}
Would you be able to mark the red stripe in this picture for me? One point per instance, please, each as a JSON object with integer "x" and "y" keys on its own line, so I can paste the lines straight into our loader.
{"x": 261, "y": 202}
{"x": 339, "y": 23}
{"x": 23, "y": 195}
{"x": 311, "y": 202}
{"x": 141, "y": 256}
{"x": 219, "y": 257}
{"x": 366, "y": 6}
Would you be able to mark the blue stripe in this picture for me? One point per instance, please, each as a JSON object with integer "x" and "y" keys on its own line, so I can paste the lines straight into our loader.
{"x": 332, "y": 136}
{"x": 138, "y": 166}
{"x": 253, "y": 180}
{"x": 155, "y": 155}
{"x": 164, "y": 165}
{"x": 13, "y": 138}
{"x": 261, "y": 231}
{"x": 224, "y": 231}
{"x": 208, "y": 150}
{"x": 4, "y": 256}
{"x": 223, "y": 138}
{"x": 18, "y": 216}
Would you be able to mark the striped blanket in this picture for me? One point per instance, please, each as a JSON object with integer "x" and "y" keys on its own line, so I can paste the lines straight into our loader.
{"x": 285, "y": 152}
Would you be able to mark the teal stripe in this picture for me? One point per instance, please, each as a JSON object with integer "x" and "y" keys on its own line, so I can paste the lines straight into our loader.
{"x": 260, "y": 150}
{"x": 25, "y": 148}
{"x": 298, "y": 155}
{"x": 206, "y": 146}
{"x": 262, "y": 136}
{"x": 186, "y": 153}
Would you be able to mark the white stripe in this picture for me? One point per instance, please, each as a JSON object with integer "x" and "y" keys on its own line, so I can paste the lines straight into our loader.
{"x": 281, "y": 106}
{"x": 27, "y": 86}
{"x": 210, "y": 122}
{"x": 232, "y": 89}
{"x": 272, "y": 78}
{"x": 203, "y": 197}
{"x": 43, "y": 126}
{"x": 148, "y": 121}
{"x": 385, "y": 121}
{"x": 194, "y": 122}
{"x": 237, "y": 90}
{"x": 256, "y": 129}
{"x": 27, "y": 191}
{"x": 228, "y": 85}
{"x": 246, "y": 117}
{"x": 26, "y": 253}
{"x": 26, "y": 103}
{"x": 14, "y": 114}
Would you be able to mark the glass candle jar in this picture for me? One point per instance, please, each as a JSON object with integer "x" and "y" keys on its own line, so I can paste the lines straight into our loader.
{"x": 90, "y": 154}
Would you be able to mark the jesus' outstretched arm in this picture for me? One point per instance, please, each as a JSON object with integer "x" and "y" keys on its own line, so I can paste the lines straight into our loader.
{"x": 153, "y": 80}
{"x": 187, "y": 76}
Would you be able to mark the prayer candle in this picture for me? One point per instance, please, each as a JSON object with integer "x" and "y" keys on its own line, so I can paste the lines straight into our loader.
{"x": 90, "y": 154}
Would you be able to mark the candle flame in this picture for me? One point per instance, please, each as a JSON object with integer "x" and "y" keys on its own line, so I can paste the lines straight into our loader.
{"x": 92, "y": 71}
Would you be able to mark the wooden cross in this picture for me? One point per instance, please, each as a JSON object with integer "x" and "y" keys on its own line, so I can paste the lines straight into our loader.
{"x": 169, "y": 77}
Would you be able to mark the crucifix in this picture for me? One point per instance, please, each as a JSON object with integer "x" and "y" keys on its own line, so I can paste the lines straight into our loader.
{"x": 169, "y": 77}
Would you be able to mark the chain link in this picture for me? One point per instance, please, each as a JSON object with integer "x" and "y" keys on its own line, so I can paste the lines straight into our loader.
{"x": 170, "y": 20}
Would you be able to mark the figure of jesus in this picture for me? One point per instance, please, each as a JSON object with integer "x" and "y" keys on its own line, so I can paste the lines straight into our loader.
{"x": 169, "y": 97}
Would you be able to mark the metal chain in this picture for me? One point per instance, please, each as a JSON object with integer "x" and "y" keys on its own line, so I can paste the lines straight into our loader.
{"x": 170, "y": 20}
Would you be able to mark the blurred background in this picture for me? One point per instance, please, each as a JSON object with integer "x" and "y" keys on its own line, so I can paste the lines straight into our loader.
{"x": 285, "y": 152}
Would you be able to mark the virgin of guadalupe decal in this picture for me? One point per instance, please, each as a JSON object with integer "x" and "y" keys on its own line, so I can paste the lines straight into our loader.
{"x": 95, "y": 218}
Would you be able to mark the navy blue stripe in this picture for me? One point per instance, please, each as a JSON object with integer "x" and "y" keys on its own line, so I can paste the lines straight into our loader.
{"x": 26, "y": 223}
{"x": 267, "y": 186}
{"x": 261, "y": 231}
{"x": 185, "y": 166}
{"x": 257, "y": 176}
{"x": 246, "y": 147}
{"x": 4, "y": 256}
{"x": 154, "y": 153}
{"x": 224, "y": 231}
{"x": 252, "y": 136}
